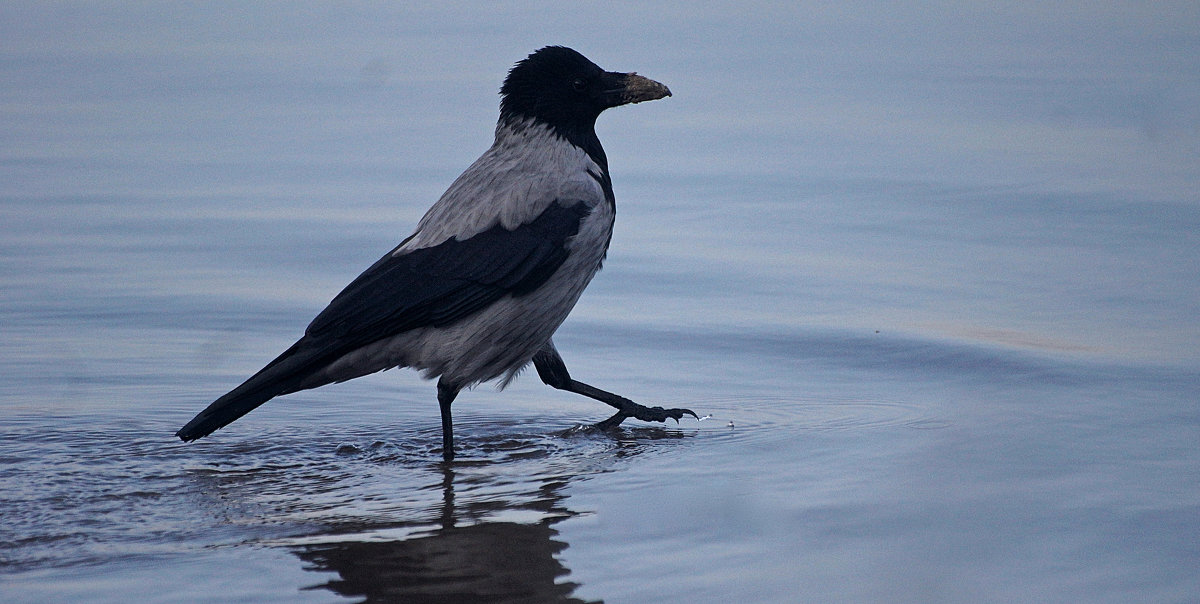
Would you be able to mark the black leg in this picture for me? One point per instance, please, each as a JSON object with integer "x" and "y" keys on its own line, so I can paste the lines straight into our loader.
{"x": 553, "y": 371}
{"x": 446, "y": 394}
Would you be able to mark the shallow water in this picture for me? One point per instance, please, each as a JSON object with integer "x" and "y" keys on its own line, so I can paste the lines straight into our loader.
{"x": 927, "y": 275}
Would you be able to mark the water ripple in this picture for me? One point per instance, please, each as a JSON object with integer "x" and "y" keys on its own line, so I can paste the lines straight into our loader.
{"x": 84, "y": 489}
{"x": 767, "y": 418}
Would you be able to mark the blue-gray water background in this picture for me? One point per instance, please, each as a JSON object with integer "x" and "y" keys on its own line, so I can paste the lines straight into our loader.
{"x": 932, "y": 269}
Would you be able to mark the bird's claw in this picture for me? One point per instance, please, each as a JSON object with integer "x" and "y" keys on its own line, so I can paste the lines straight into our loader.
{"x": 658, "y": 414}
{"x": 646, "y": 414}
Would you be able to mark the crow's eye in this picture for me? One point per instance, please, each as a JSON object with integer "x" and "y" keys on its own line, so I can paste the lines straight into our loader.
{"x": 579, "y": 84}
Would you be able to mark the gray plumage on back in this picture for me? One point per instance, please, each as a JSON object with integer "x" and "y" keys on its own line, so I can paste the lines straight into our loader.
{"x": 526, "y": 169}
{"x": 492, "y": 269}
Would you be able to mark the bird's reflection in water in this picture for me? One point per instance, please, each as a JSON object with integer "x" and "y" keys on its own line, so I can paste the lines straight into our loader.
{"x": 480, "y": 547}
{"x": 500, "y": 561}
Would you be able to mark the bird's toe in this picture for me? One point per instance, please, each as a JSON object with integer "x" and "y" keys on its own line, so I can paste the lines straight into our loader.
{"x": 659, "y": 414}
{"x": 646, "y": 414}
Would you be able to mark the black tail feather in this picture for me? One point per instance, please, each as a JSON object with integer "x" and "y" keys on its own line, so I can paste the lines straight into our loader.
{"x": 281, "y": 376}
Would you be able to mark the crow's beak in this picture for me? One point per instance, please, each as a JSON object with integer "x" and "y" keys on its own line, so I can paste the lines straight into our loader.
{"x": 628, "y": 88}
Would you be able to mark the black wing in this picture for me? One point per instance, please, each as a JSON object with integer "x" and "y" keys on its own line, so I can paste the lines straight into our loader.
{"x": 439, "y": 285}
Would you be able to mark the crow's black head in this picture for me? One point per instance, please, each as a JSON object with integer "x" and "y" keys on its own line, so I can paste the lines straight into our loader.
{"x": 561, "y": 88}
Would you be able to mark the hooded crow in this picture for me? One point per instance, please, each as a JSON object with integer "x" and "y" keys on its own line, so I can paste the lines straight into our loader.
{"x": 493, "y": 268}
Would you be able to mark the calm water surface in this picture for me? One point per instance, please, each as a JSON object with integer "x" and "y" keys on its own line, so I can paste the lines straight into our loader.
{"x": 929, "y": 273}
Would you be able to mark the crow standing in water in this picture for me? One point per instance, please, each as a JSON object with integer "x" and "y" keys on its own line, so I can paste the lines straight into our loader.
{"x": 493, "y": 268}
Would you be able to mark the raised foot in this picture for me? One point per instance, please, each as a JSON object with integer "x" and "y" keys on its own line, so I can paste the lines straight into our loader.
{"x": 646, "y": 414}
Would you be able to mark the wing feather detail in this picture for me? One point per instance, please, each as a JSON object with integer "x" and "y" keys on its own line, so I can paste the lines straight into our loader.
{"x": 438, "y": 285}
